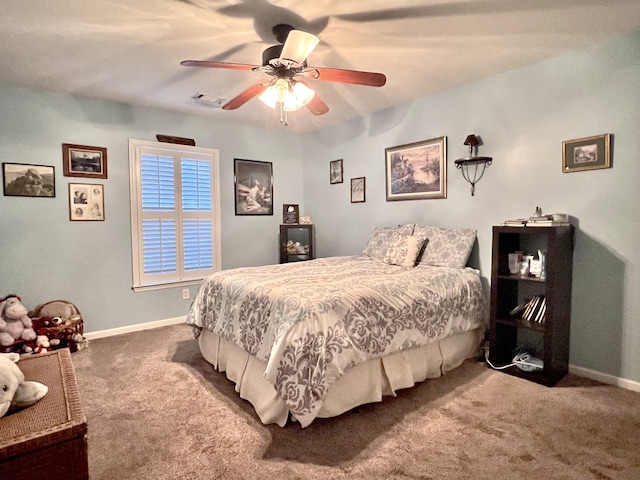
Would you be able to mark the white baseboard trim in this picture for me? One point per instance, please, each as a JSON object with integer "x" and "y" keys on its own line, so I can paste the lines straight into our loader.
{"x": 605, "y": 378}
{"x": 134, "y": 328}
{"x": 574, "y": 369}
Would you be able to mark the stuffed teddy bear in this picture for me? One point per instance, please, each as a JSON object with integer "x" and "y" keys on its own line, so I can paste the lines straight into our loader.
{"x": 15, "y": 392}
{"x": 15, "y": 324}
{"x": 41, "y": 344}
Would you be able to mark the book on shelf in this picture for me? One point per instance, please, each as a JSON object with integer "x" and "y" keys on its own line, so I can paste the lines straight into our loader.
{"x": 517, "y": 222}
{"x": 518, "y": 308}
{"x": 531, "y": 307}
{"x": 540, "y": 218}
{"x": 546, "y": 223}
{"x": 541, "y": 312}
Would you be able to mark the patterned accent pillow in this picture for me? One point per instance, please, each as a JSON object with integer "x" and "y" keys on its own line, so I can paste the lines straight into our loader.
{"x": 380, "y": 237}
{"x": 403, "y": 250}
{"x": 446, "y": 247}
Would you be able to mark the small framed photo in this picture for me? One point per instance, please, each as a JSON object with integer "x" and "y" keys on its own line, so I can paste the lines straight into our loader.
{"x": 358, "y": 187}
{"x": 589, "y": 153}
{"x": 84, "y": 161}
{"x": 86, "y": 202}
{"x": 290, "y": 214}
{"x": 335, "y": 172}
{"x": 253, "y": 187}
{"x": 27, "y": 180}
{"x": 417, "y": 170}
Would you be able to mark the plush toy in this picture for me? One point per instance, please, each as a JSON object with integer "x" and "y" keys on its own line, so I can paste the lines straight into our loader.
{"x": 15, "y": 392}
{"x": 41, "y": 344}
{"x": 15, "y": 324}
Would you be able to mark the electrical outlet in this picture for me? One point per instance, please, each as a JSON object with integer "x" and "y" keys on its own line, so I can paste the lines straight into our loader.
{"x": 185, "y": 294}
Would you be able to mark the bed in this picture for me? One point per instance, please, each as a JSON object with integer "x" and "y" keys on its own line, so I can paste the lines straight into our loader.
{"x": 315, "y": 339}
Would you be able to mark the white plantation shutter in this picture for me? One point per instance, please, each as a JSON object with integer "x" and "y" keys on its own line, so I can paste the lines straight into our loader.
{"x": 159, "y": 246}
{"x": 175, "y": 213}
{"x": 196, "y": 225}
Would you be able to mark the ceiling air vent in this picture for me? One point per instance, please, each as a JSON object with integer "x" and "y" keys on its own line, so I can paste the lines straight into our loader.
{"x": 208, "y": 100}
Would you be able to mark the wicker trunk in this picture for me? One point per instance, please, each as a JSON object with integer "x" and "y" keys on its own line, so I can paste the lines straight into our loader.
{"x": 49, "y": 439}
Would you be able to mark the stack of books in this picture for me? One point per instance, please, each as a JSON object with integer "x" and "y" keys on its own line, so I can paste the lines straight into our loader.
{"x": 532, "y": 310}
{"x": 544, "y": 221}
{"x": 516, "y": 222}
{"x": 535, "y": 221}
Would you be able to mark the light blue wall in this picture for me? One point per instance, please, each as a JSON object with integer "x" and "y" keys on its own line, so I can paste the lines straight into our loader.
{"x": 522, "y": 116}
{"x": 46, "y": 257}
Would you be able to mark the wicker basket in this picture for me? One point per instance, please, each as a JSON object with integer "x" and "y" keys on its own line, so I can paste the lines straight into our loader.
{"x": 47, "y": 440}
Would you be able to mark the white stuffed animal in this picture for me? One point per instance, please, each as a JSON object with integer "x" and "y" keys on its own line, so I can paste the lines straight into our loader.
{"x": 15, "y": 392}
{"x": 15, "y": 324}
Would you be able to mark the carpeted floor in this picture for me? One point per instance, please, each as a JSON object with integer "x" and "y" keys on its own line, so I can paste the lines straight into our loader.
{"x": 156, "y": 409}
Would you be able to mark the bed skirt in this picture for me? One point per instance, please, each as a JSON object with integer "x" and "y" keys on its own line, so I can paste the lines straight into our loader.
{"x": 364, "y": 383}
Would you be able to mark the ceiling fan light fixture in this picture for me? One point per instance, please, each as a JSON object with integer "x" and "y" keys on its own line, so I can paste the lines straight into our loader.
{"x": 297, "y": 48}
{"x": 298, "y": 97}
{"x": 290, "y": 94}
{"x": 276, "y": 93}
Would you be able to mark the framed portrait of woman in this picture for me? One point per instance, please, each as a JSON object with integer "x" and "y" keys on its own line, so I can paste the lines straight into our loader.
{"x": 253, "y": 187}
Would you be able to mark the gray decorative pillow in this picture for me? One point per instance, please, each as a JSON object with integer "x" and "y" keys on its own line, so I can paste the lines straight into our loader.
{"x": 379, "y": 240}
{"x": 403, "y": 250}
{"x": 446, "y": 247}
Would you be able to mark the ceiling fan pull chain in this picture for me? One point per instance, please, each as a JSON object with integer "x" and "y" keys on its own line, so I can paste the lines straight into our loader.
{"x": 283, "y": 114}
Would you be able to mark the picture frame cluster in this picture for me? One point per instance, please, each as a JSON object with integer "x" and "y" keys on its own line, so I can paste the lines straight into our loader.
{"x": 357, "y": 186}
{"x": 413, "y": 171}
{"x": 86, "y": 200}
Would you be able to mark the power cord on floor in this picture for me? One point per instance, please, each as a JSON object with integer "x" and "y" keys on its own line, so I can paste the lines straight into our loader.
{"x": 524, "y": 361}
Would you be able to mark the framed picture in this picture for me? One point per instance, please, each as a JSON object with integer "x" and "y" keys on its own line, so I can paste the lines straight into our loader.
{"x": 290, "y": 214}
{"x": 86, "y": 202}
{"x": 84, "y": 161}
{"x": 27, "y": 180}
{"x": 417, "y": 170}
{"x": 590, "y": 153}
{"x": 358, "y": 190}
{"x": 253, "y": 187}
{"x": 335, "y": 171}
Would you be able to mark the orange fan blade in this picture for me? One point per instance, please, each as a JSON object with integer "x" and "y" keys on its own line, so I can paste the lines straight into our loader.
{"x": 207, "y": 64}
{"x": 316, "y": 105}
{"x": 246, "y": 95}
{"x": 355, "y": 77}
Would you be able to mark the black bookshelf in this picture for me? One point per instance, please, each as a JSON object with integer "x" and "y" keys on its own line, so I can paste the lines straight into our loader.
{"x": 547, "y": 339}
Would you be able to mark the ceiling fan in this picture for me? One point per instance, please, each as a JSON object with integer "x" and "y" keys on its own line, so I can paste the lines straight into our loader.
{"x": 286, "y": 66}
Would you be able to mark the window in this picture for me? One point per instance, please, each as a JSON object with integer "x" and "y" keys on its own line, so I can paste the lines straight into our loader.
{"x": 175, "y": 214}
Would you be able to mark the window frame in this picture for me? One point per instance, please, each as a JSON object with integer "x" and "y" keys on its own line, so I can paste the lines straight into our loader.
{"x": 136, "y": 149}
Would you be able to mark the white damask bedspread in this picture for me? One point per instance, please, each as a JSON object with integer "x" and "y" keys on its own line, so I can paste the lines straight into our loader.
{"x": 312, "y": 321}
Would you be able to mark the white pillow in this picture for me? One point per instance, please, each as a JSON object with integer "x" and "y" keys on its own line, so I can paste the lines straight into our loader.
{"x": 403, "y": 250}
{"x": 446, "y": 247}
{"x": 379, "y": 240}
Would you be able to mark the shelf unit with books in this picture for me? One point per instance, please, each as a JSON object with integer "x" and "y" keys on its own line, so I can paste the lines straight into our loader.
{"x": 543, "y": 334}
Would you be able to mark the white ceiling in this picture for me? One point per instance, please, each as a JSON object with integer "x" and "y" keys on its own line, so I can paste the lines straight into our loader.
{"x": 130, "y": 50}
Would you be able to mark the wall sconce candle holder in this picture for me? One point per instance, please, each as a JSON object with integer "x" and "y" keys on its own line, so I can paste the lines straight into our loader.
{"x": 471, "y": 166}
